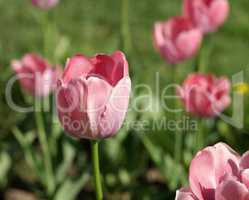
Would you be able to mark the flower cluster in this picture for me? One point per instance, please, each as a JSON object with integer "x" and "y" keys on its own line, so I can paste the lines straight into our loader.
{"x": 179, "y": 38}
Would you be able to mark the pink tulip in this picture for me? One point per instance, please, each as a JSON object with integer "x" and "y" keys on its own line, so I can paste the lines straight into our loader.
{"x": 217, "y": 173}
{"x": 208, "y": 15}
{"x": 205, "y": 95}
{"x": 93, "y": 95}
{"x": 45, "y": 4}
{"x": 36, "y": 75}
{"x": 176, "y": 39}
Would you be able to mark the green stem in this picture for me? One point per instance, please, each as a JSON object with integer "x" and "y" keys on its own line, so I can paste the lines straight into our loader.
{"x": 204, "y": 53}
{"x": 97, "y": 176}
{"x": 178, "y": 134}
{"x": 202, "y": 64}
{"x": 55, "y": 134}
{"x": 200, "y": 137}
{"x": 45, "y": 29}
{"x": 125, "y": 30}
{"x": 45, "y": 149}
{"x": 49, "y": 36}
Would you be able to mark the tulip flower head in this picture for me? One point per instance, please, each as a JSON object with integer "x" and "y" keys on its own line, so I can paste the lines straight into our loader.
{"x": 208, "y": 15}
{"x": 176, "y": 39}
{"x": 205, "y": 95}
{"x": 217, "y": 173}
{"x": 45, "y": 4}
{"x": 36, "y": 75}
{"x": 93, "y": 95}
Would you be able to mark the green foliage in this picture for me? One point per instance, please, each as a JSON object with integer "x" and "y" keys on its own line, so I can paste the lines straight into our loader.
{"x": 5, "y": 167}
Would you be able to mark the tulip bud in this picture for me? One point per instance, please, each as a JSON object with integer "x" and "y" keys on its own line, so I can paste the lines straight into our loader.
{"x": 45, "y": 4}
{"x": 93, "y": 95}
{"x": 208, "y": 15}
{"x": 176, "y": 39}
{"x": 35, "y": 74}
{"x": 205, "y": 95}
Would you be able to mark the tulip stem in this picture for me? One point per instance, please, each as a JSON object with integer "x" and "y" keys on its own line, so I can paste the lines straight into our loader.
{"x": 45, "y": 149}
{"x": 97, "y": 175}
{"x": 125, "y": 29}
{"x": 49, "y": 31}
{"x": 201, "y": 134}
{"x": 204, "y": 53}
{"x": 45, "y": 30}
{"x": 178, "y": 134}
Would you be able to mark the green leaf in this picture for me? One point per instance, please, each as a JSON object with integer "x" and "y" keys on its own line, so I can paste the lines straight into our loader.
{"x": 173, "y": 172}
{"x": 5, "y": 165}
{"x": 68, "y": 156}
{"x": 70, "y": 189}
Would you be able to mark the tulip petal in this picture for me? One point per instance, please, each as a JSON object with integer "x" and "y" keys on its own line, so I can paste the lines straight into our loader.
{"x": 227, "y": 160}
{"x": 158, "y": 36}
{"x": 16, "y": 65}
{"x": 35, "y": 74}
{"x": 202, "y": 175}
{"x": 189, "y": 42}
{"x": 185, "y": 194}
{"x": 207, "y": 15}
{"x": 208, "y": 168}
{"x": 188, "y": 9}
{"x": 44, "y": 82}
{"x": 201, "y": 19}
{"x": 222, "y": 87}
{"x": 245, "y": 177}
{"x": 163, "y": 44}
{"x": 231, "y": 190}
{"x": 205, "y": 95}
{"x": 110, "y": 68}
{"x": 71, "y": 108}
{"x": 45, "y": 4}
{"x": 176, "y": 39}
{"x": 121, "y": 67}
{"x": 116, "y": 108}
{"x": 99, "y": 92}
{"x": 76, "y": 67}
{"x": 218, "y": 12}
{"x": 34, "y": 62}
{"x": 244, "y": 161}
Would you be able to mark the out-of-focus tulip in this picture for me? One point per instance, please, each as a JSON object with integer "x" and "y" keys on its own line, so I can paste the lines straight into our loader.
{"x": 208, "y": 15}
{"x": 176, "y": 39}
{"x": 36, "y": 75}
{"x": 93, "y": 95}
{"x": 45, "y": 4}
{"x": 217, "y": 173}
{"x": 205, "y": 95}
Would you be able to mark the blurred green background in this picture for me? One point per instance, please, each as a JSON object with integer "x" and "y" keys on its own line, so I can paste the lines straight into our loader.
{"x": 135, "y": 164}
